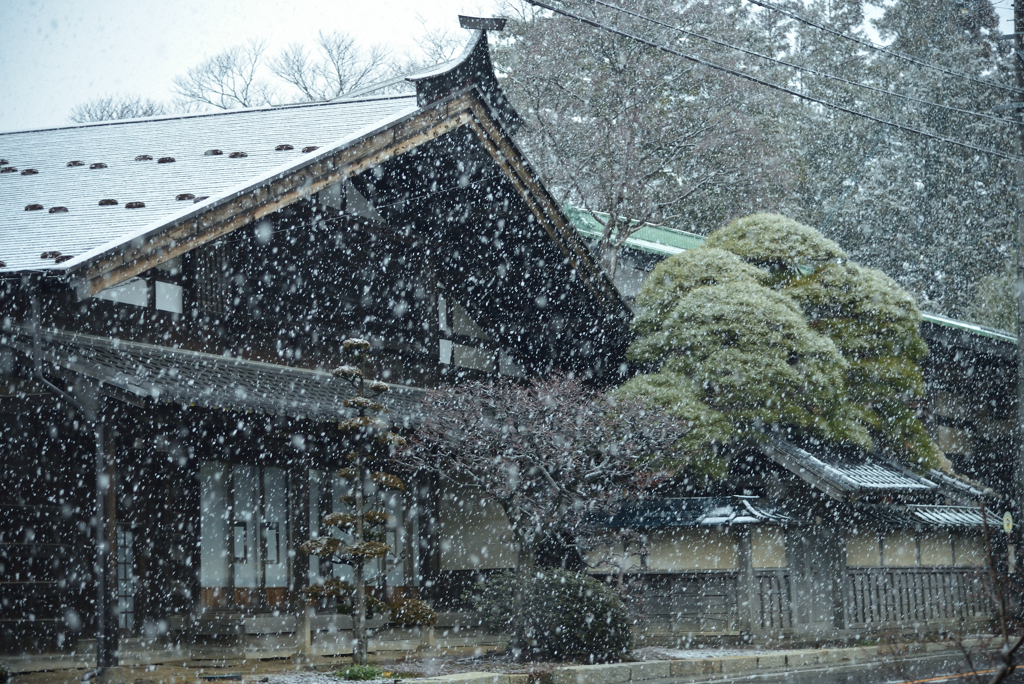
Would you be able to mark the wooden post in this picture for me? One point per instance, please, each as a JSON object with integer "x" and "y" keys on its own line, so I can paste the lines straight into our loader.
{"x": 1018, "y": 46}
{"x": 430, "y": 558}
{"x": 299, "y": 524}
{"x": 749, "y": 597}
{"x": 839, "y": 577}
{"x": 109, "y": 611}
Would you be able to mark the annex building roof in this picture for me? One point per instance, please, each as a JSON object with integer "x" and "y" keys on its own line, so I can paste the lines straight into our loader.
{"x": 72, "y": 193}
{"x": 154, "y": 374}
{"x": 846, "y": 475}
{"x": 695, "y": 511}
{"x": 664, "y": 241}
{"x": 929, "y": 516}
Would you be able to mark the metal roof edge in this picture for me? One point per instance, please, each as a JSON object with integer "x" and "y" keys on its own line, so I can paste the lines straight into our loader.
{"x": 970, "y": 328}
{"x": 224, "y": 112}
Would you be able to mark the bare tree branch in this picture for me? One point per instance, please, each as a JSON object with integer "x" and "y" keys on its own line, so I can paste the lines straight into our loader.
{"x": 341, "y": 66}
{"x": 228, "y": 80}
{"x": 552, "y": 454}
{"x": 114, "y": 107}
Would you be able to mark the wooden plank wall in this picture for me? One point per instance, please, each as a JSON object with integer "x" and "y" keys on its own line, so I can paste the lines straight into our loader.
{"x": 703, "y": 601}
{"x": 776, "y": 595}
{"x": 889, "y": 597}
{"x": 876, "y": 599}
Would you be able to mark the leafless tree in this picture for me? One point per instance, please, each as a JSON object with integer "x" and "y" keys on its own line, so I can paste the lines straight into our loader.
{"x": 624, "y": 132}
{"x": 439, "y": 45}
{"x": 114, "y": 107}
{"x": 434, "y": 46}
{"x": 989, "y": 659}
{"x": 1003, "y": 650}
{"x": 228, "y": 80}
{"x": 553, "y": 453}
{"x": 341, "y": 66}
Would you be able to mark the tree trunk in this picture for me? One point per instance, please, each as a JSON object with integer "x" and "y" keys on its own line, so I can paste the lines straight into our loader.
{"x": 609, "y": 257}
{"x": 358, "y": 568}
{"x": 359, "y": 616}
{"x": 516, "y": 641}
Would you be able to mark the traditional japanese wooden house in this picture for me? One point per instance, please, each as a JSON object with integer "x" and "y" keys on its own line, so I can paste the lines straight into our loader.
{"x": 815, "y": 541}
{"x": 174, "y": 291}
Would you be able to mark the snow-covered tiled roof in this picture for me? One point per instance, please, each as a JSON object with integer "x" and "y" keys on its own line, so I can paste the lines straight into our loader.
{"x": 952, "y": 516}
{"x": 696, "y": 511}
{"x": 162, "y": 374}
{"x": 843, "y": 475}
{"x": 961, "y": 485}
{"x": 87, "y": 228}
{"x": 934, "y": 516}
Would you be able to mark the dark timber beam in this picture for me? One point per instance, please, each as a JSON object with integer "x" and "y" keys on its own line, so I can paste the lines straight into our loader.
{"x": 272, "y": 195}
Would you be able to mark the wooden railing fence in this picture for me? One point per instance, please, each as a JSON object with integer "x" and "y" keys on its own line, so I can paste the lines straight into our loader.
{"x": 893, "y": 597}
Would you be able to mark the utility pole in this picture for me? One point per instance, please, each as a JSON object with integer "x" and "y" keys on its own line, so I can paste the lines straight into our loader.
{"x": 1018, "y": 62}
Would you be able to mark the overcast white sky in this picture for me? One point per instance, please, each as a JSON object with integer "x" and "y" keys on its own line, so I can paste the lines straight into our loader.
{"x": 57, "y": 53}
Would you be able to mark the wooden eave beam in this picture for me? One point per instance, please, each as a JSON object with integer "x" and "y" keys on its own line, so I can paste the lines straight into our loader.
{"x": 272, "y": 195}
{"x": 434, "y": 121}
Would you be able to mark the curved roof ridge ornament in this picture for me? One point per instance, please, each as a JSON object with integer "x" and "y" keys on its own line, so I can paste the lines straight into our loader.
{"x": 473, "y": 67}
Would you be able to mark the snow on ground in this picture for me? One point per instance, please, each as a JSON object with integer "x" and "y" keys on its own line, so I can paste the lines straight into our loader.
{"x": 307, "y": 678}
{"x": 657, "y": 653}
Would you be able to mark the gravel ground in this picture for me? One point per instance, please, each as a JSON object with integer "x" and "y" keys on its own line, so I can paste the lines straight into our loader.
{"x": 299, "y": 678}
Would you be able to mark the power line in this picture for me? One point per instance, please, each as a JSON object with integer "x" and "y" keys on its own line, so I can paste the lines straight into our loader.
{"x": 809, "y": 70}
{"x": 874, "y": 46}
{"x": 776, "y": 86}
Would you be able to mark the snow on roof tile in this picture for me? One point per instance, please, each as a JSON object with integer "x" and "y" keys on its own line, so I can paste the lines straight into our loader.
{"x": 87, "y": 227}
{"x": 847, "y": 473}
{"x": 960, "y": 484}
{"x": 933, "y": 516}
{"x": 696, "y": 511}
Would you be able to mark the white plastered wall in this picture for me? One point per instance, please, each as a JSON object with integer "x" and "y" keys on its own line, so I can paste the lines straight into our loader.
{"x": 936, "y": 549}
{"x": 678, "y": 550}
{"x": 863, "y": 549}
{"x": 768, "y": 547}
{"x": 613, "y": 559}
{"x": 969, "y": 550}
{"x": 907, "y": 548}
{"x": 899, "y": 549}
{"x": 474, "y": 532}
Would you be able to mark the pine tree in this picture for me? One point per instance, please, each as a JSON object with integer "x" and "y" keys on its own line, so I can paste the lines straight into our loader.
{"x": 770, "y": 327}
{"x": 873, "y": 322}
{"x": 363, "y": 532}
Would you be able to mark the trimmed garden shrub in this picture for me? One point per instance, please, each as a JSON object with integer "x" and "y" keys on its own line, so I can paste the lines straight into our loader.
{"x": 555, "y": 614}
{"x": 412, "y": 612}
